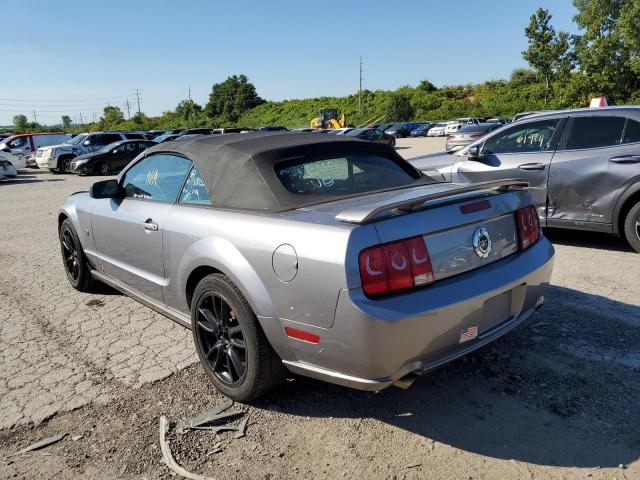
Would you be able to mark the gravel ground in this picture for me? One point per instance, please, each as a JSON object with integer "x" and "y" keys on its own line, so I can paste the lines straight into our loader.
{"x": 556, "y": 398}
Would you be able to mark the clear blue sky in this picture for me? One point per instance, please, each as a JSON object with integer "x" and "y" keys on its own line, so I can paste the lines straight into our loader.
{"x": 73, "y": 56}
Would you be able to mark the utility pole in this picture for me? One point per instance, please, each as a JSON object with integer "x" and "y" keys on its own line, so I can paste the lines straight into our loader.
{"x": 128, "y": 111}
{"x": 360, "y": 89}
{"x": 189, "y": 92}
{"x": 138, "y": 98}
{"x": 94, "y": 117}
{"x": 35, "y": 117}
{"x": 81, "y": 122}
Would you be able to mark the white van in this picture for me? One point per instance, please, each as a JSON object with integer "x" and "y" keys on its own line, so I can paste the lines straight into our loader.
{"x": 18, "y": 147}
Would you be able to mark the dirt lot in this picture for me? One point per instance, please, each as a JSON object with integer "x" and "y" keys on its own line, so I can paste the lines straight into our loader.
{"x": 555, "y": 399}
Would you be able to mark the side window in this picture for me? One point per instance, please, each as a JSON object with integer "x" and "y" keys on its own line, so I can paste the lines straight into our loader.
{"x": 157, "y": 177}
{"x": 108, "y": 138}
{"x": 632, "y": 132}
{"x": 528, "y": 137}
{"x": 94, "y": 140}
{"x": 134, "y": 136}
{"x": 594, "y": 132}
{"x": 142, "y": 146}
{"x": 130, "y": 147}
{"x": 195, "y": 190}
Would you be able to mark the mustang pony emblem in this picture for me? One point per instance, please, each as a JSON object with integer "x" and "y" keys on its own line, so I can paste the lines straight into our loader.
{"x": 481, "y": 242}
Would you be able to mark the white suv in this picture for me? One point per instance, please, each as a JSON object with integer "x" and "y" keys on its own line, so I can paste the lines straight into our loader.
{"x": 57, "y": 158}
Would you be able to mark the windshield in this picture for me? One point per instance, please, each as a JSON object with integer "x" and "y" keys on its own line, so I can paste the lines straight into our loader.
{"x": 111, "y": 146}
{"x": 78, "y": 139}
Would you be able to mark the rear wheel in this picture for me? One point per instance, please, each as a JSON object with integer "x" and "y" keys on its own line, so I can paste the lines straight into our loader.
{"x": 232, "y": 347}
{"x": 104, "y": 169}
{"x": 75, "y": 263}
{"x": 632, "y": 227}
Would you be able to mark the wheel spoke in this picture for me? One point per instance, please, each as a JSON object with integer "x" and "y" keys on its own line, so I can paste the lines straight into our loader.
{"x": 238, "y": 342}
{"x": 210, "y": 318}
{"x": 204, "y": 326}
{"x": 236, "y": 362}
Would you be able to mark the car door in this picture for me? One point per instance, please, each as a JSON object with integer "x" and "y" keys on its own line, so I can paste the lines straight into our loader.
{"x": 522, "y": 151}
{"x": 130, "y": 151}
{"x": 597, "y": 159}
{"x": 128, "y": 230}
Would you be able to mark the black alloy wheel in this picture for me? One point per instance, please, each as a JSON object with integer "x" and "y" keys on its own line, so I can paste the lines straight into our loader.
{"x": 75, "y": 263}
{"x": 221, "y": 339}
{"x": 70, "y": 255}
{"x": 104, "y": 169}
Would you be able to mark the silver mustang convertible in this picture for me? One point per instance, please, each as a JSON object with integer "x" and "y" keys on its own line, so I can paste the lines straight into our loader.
{"x": 326, "y": 256}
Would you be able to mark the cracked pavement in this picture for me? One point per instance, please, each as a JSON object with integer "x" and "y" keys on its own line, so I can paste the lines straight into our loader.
{"x": 61, "y": 349}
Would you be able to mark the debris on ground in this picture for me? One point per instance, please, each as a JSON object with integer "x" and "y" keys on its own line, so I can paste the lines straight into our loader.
{"x": 168, "y": 457}
{"x": 41, "y": 444}
{"x": 242, "y": 428}
{"x": 215, "y": 415}
{"x": 75, "y": 438}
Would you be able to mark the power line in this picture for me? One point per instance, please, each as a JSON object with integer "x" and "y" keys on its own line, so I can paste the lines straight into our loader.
{"x": 100, "y": 99}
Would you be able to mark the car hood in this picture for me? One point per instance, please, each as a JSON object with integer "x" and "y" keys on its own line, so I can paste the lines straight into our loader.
{"x": 441, "y": 162}
{"x": 58, "y": 146}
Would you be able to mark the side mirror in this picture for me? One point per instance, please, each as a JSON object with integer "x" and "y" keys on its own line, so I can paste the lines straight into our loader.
{"x": 473, "y": 152}
{"x": 105, "y": 189}
{"x": 114, "y": 152}
{"x": 86, "y": 143}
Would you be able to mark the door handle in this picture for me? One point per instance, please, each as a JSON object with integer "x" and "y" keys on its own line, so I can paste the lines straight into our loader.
{"x": 626, "y": 159}
{"x": 532, "y": 166}
{"x": 150, "y": 225}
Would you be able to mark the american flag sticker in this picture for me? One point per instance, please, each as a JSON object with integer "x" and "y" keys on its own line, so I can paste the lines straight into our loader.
{"x": 468, "y": 334}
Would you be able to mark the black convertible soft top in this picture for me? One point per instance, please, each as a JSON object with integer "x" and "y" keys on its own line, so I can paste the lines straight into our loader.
{"x": 239, "y": 169}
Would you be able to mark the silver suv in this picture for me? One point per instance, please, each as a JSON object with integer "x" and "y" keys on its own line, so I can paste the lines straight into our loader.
{"x": 583, "y": 166}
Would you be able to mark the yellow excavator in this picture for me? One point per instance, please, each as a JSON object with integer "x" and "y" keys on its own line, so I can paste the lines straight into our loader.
{"x": 329, "y": 118}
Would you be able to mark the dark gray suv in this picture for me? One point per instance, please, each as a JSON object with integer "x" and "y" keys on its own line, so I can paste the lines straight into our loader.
{"x": 583, "y": 166}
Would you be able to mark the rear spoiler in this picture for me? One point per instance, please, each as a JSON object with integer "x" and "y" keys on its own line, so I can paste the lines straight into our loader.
{"x": 402, "y": 204}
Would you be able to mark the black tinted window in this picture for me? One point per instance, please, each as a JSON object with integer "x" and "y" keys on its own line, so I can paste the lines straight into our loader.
{"x": 526, "y": 137}
{"x": 593, "y": 132}
{"x": 134, "y": 136}
{"x": 632, "y": 132}
{"x": 158, "y": 177}
{"x": 343, "y": 176}
{"x": 107, "y": 138}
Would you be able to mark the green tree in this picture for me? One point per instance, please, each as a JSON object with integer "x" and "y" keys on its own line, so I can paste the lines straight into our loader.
{"x": 66, "y": 121}
{"x": 426, "y": 86}
{"x": 608, "y": 49}
{"x": 188, "y": 110}
{"x": 399, "y": 108}
{"x": 21, "y": 123}
{"x": 231, "y": 98}
{"x": 548, "y": 52}
{"x": 523, "y": 76}
{"x": 111, "y": 117}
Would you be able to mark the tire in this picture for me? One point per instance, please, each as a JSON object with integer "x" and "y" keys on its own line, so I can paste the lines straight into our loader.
{"x": 104, "y": 169}
{"x": 63, "y": 164}
{"x": 73, "y": 258}
{"x": 632, "y": 227}
{"x": 219, "y": 341}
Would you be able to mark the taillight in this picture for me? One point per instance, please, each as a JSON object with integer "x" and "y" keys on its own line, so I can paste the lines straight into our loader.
{"x": 395, "y": 266}
{"x": 528, "y": 226}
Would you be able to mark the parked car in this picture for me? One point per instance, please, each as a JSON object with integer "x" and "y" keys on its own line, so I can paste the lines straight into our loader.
{"x": 421, "y": 131}
{"x": 272, "y": 128}
{"x": 325, "y": 256}
{"x": 166, "y": 137}
{"x": 109, "y": 159}
{"x": 225, "y": 130}
{"x": 17, "y": 147}
{"x": 57, "y": 158}
{"x": 437, "y": 130}
{"x": 372, "y": 134}
{"x": 196, "y": 131}
{"x": 174, "y": 131}
{"x": 458, "y": 123}
{"x": 500, "y": 120}
{"x": 339, "y": 131}
{"x": 401, "y": 130}
{"x": 468, "y": 134}
{"x": 155, "y": 133}
{"x": 583, "y": 166}
{"x": 7, "y": 169}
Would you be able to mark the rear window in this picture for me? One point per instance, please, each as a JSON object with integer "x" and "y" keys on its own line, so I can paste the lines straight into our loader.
{"x": 594, "y": 132}
{"x": 344, "y": 175}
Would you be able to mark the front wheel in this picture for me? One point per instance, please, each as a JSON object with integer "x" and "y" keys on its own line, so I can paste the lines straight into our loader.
{"x": 75, "y": 263}
{"x": 232, "y": 348}
{"x": 64, "y": 164}
{"x": 632, "y": 227}
{"x": 104, "y": 169}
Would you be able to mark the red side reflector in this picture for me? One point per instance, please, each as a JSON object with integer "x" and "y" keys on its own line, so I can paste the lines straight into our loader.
{"x": 475, "y": 206}
{"x": 302, "y": 335}
{"x": 528, "y": 227}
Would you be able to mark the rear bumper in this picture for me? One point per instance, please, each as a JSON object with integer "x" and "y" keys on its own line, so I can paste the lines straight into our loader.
{"x": 51, "y": 163}
{"x": 373, "y": 343}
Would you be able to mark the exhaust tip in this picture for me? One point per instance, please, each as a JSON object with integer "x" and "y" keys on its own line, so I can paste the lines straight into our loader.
{"x": 405, "y": 382}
